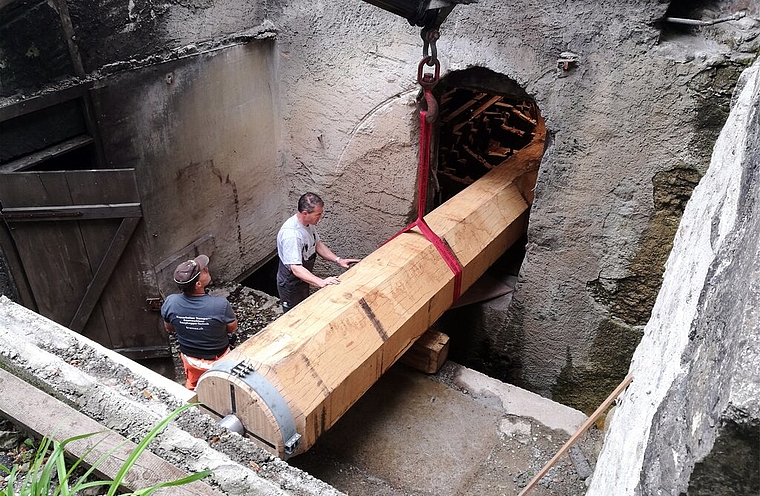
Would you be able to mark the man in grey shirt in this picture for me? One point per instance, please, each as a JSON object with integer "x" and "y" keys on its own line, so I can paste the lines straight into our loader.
{"x": 298, "y": 245}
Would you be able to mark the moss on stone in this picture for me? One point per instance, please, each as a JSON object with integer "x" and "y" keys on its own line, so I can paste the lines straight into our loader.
{"x": 631, "y": 298}
{"x": 585, "y": 385}
{"x": 713, "y": 89}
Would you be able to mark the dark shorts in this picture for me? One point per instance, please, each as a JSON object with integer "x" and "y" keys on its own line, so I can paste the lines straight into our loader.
{"x": 291, "y": 289}
{"x": 292, "y": 295}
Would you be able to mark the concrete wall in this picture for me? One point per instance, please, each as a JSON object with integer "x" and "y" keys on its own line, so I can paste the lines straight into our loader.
{"x": 202, "y": 135}
{"x": 689, "y": 422}
{"x": 347, "y": 76}
{"x": 630, "y": 132}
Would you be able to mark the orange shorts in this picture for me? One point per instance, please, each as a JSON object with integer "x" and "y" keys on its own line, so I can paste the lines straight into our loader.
{"x": 195, "y": 367}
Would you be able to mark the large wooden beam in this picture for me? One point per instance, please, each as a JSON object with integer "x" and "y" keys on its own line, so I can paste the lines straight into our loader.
{"x": 298, "y": 376}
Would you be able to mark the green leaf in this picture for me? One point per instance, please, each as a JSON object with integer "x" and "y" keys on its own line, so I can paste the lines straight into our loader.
{"x": 143, "y": 445}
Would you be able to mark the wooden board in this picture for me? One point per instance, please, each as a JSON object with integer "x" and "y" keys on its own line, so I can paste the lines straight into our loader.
{"x": 82, "y": 257}
{"x": 428, "y": 353}
{"x": 44, "y": 415}
{"x": 320, "y": 357}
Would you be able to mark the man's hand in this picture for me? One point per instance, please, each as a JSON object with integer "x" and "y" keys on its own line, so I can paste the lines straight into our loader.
{"x": 346, "y": 262}
{"x": 329, "y": 280}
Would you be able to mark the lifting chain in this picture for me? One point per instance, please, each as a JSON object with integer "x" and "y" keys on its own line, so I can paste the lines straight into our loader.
{"x": 428, "y": 115}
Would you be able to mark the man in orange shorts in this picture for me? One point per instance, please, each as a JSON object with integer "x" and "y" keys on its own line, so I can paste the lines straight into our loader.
{"x": 205, "y": 325}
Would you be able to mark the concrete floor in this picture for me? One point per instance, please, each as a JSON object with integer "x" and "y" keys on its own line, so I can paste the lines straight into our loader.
{"x": 455, "y": 433}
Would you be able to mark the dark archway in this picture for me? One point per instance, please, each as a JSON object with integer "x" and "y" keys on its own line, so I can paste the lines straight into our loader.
{"x": 485, "y": 117}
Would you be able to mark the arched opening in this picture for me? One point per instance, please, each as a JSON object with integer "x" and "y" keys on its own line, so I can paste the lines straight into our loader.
{"x": 485, "y": 118}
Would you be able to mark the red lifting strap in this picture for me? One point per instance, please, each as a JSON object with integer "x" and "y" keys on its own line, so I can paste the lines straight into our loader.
{"x": 423, "y": 172}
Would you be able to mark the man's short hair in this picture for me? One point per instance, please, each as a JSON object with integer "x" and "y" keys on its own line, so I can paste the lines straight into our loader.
{"x": 308, "y": 202}
{"x": 187, "y": 272}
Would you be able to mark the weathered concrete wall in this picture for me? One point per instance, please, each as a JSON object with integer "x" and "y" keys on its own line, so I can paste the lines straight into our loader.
{"x": 31, "y": 61}
{"x": 202, "y": 136}
{"x": 690, "y": 421}
{"x": 347, "y": 76}
{"x": 630, "y": 132}
{"x": 115, "y": 32}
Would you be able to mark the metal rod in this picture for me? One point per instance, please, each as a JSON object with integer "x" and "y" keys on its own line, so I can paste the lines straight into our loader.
{"x": 697, "y": 22}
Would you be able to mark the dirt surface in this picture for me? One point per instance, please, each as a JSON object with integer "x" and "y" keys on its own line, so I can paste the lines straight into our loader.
{"x": 418, "y": 435}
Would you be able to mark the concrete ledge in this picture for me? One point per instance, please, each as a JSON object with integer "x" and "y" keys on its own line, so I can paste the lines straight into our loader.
{"x": 516, "y": 401}
{"x": 131, "y": 399}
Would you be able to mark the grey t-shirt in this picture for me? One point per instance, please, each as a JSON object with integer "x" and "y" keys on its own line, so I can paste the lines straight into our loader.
{"x": 296, "y": 245}
{"x": 200, "y": 322}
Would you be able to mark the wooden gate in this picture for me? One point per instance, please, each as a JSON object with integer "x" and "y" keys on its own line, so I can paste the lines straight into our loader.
{"x": 77, "y": 250}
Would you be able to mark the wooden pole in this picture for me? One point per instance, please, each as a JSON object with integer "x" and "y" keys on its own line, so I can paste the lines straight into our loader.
{"x": 291, "y": 382}
{"x": 621, "y": 387}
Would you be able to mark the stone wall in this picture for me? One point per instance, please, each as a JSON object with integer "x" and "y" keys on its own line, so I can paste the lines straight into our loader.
{"x": 690, "y": 421}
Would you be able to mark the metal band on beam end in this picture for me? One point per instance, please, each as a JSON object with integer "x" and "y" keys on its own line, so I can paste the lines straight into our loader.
{"x": 271, "y": 397}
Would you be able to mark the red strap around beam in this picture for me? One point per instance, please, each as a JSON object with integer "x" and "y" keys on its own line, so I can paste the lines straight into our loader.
{"x": 422, "y": 173}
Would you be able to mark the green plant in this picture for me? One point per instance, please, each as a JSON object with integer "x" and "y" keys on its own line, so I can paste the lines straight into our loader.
{"x": 49, "y": 474}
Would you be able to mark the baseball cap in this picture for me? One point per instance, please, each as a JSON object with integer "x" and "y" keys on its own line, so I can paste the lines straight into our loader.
{"x": 188, "y": 271}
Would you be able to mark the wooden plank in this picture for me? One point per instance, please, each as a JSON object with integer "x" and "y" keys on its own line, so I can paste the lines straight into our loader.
{"x": 428, "y": 353}
{"x": 457, "y": 130}
{"x": 44, "y": 415}
{"x": 29, "y": 105}
{"x": 55, "y": 188}
{"x": 71, "y": 212}
{"x": 517, "y": 112}
{"x": 16, "y": 267}
{"x": 477, "y": 157}
{"x": 605, "y": 404}
{"x": 145, "y": 352}
{"x": 103, "y": 274}
{"x": 52, "y": 253}
{"x": 330, "y": 349}
{"x": 513, "y": 130}
{"x": 33, "y": 159}
{"x": 462, "y": 108}
{"x": 463, "y": 181}
{"x": 485, "y": 106}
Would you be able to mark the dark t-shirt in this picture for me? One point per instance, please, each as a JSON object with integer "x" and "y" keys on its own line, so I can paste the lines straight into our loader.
{"x": 200, "y": 322}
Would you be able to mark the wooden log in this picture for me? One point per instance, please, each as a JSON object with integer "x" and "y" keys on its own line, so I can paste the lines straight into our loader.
{"x": 428, "y": 353}
{"x": 292, "y": 381}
